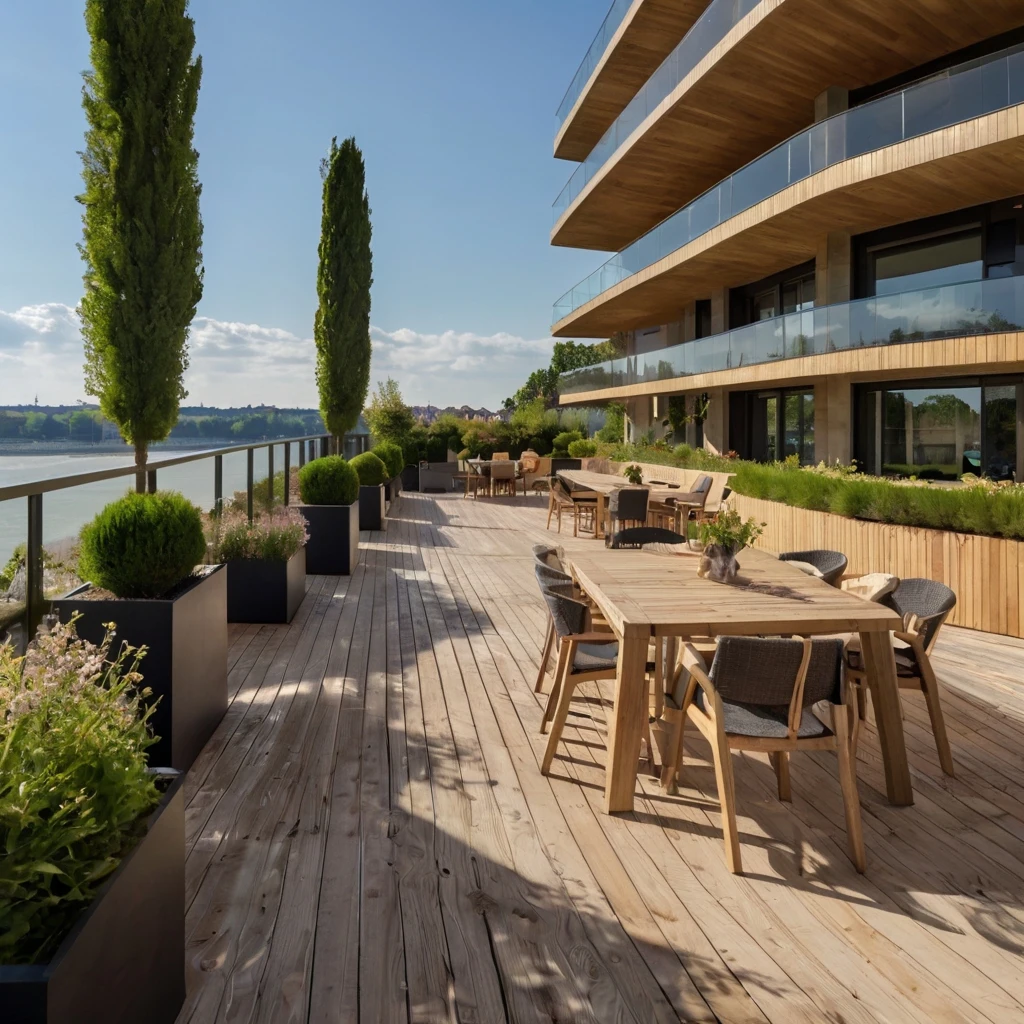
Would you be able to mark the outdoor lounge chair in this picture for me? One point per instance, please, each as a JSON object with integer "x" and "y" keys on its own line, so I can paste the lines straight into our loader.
{"x": 924, "y": 605}
{"x": 758, "y": 695}
{"x": 830, "y": 564}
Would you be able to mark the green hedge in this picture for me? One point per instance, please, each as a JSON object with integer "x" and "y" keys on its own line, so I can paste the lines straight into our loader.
{"x": 328, "y": 481}
{"x": 391, "y": 455}
{"x": 371, "y": 470}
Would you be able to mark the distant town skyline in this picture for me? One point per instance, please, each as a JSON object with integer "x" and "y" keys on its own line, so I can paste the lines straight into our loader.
{"x": 457, "y": 144}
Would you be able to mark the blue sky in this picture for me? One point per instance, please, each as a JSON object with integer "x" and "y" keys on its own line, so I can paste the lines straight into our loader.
{"x": 453, "y": 105}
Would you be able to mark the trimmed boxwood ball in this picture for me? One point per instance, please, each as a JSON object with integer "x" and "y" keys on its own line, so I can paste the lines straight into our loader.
{"x": 370, "y": 469}
{"x": 328, "y": 481}
{"x": 391, "y": 455}
{"x": 142, "y": 545}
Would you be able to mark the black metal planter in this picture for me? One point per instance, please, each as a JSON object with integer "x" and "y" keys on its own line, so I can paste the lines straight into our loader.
{"x": 186, "y": 665}
{"x": 261, "y": 591}
{"x": 371, "y": 507}
{"x": 124, "y": 960}
{"x": 333, "y": 545}
{"x": 394, "y": 489}
{"x": 411, "y": 478}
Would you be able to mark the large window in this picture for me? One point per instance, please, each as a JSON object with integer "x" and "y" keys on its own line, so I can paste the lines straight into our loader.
{"x": 938, "y": 432}
{"x": 774, "y": 425}
{"x": 928, "y": 263}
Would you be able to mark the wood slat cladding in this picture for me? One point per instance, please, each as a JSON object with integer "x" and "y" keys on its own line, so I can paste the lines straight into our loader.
{"x": 948, "y": 357}
{"x": 649, "y": 32}
{"x": 755, "y": 89}
{"x": 964, "y": 165}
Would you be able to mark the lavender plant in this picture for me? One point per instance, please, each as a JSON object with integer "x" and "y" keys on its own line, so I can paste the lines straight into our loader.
{"x": 74, "y": 789}
{"x": 273, "y": 537}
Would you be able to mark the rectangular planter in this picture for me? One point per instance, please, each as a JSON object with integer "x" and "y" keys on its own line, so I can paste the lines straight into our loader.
{"x": 394, "y": 488}
{"x": 333, "y": 545}
{"x": 261, "y": 591}
{"x": 186, "y": 666}
{"x": 371, "y": 507}
{"x": 124, "y": 960}
{"x": 411, "y": 478}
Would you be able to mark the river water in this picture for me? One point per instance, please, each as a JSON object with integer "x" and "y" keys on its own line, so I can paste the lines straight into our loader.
{"x": 65, "y": 512}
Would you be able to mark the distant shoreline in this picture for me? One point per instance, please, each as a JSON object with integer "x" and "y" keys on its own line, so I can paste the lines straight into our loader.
{"x": 32, "y": 448}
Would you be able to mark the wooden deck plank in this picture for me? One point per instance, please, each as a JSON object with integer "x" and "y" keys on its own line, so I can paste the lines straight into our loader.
{"x": 370, "y": 839}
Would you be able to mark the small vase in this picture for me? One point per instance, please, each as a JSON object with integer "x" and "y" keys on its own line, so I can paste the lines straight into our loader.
{"x": 719, "y": 563}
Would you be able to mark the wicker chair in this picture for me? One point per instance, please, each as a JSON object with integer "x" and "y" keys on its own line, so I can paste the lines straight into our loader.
{"x": 831, "y": 564}
{"x": 925, "y": 606}
{"x": 638, "y": 536}
{"x": 681, "y": 508}
{"x": 627, "y": 506}
{"x": 503, "y": 477}
{"x": 758, "y": 695}
{"x": 583, "y": 656}
{"x": 549, "y": 576}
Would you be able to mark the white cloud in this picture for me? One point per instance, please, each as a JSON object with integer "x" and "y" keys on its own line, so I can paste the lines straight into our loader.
{"x": 234, "y": 363}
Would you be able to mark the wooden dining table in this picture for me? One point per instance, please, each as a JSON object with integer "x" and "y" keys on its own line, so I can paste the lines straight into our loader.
{"x": 587, "y": 484}
{"x": 647, "y": 596}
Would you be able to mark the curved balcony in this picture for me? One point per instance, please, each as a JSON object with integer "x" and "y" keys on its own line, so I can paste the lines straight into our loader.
{"x": 744, "y": 77}
{"x": 994, "y": 306}
{"x": 962, "y": 94}
{"x": 633, "y": 40}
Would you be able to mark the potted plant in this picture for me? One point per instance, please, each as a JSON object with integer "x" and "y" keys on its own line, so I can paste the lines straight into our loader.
{"x": 634, "y": 474}
{"x": 141, "y": 556}
{"x": 372, "y": 474}
{"x": 92, "y": 887}
{"x": 393, "y": 458}
{"x": 723, "y": 538}
{"x": 266, "y": 562}
{"x": 329, "y": 489}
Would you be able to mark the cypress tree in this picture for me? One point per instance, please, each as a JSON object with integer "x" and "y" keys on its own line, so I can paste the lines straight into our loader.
{"x": 341, "y": 327}
{"x": 142, "y": 232}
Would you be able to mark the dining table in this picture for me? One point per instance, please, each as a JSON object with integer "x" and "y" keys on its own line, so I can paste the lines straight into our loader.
{"x": 646, "y": 596}
{"x": 482, "y": 467}
{"x": 598, "y": 486}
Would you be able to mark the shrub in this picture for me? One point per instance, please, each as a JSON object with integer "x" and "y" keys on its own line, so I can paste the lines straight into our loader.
{"x": 392, "y": 456}
{"x": 370, "y": 469}
{"x": 74, "y": 790}
{"x": 583, "y": 449}
{"x": 328, "y": 481}
{"x": 562, "y": 441}
{"x": 274, "y": 537}
{"x": 540, "y": 445}
{"x": 142, "y": 545}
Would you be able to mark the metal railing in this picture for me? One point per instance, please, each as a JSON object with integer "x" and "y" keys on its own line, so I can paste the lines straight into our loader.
{"x": 310, "y": 446}
{"x": 963, "y": 93}
{"x": 991, "y": 306}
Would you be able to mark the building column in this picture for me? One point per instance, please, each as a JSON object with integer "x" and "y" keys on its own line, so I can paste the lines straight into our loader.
{"x": 716, "y": 426}
{"x": 833, "y": 420}
{"x": 638, "y": 417}
{"x": 834, "y": 100}
{"x": 833, "y": 269}
{"x": 719, "y": 310}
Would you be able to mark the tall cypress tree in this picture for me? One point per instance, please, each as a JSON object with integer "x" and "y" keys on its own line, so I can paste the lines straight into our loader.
{"x": 142, "y": 237}
{"x": 341, "y": 327}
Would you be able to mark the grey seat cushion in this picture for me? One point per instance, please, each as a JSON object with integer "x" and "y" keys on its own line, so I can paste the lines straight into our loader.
{"x": 906, "y": 663}
{"x": 596, "y": 657}
{"x": 763, "y": 721}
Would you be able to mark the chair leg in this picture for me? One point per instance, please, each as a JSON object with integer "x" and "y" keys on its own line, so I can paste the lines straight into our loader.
{"x": 558, "y": 724}
{"x": 549, "y": 642}
{"x": 780, "y": 762}
{"x": 727, "y": 798}
{"x": 674, "y": 756}
{"x": 862, "y": 702}
{"x": 560, "y": 669}
{"x": 848, "y": 783}
{"x": 551, "y": 509}
{"x": 930, "y": 687}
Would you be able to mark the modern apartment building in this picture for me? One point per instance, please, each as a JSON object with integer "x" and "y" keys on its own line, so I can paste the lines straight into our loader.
{"x": 816, "y": 210}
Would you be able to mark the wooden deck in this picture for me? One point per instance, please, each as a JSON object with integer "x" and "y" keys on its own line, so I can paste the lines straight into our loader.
{"x": 370, "y": 838}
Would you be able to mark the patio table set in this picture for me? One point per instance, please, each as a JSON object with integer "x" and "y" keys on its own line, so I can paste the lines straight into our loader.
{"x": 779, "y": 660}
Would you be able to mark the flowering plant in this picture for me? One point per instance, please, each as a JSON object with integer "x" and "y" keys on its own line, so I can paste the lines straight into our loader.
{"x": 74, "y": 785}
{"x": 273, "y": 537}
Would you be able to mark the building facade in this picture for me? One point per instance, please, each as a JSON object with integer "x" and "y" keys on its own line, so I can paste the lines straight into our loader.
{"x": 817, "y": 214}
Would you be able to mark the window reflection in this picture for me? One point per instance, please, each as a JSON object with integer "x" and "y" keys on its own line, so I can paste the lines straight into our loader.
{"x": 928, "y": 263}
{"x": 1000, "y": 448}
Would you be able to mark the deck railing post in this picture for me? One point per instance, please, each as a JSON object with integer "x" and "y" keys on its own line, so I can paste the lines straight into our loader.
{"x": 34, "y": 567}
{"x": 270, "y": 475}
{"x": 151, "y": 481}
{"x": 218, "y": 483}
{"x": 302, "y": 454}
{"x": 287, "y": 471}
{"x": 248, "y": 482}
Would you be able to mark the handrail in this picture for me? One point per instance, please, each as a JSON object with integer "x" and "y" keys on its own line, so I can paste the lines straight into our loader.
{"x": 969, "y": 90}
{"x": 80, "y": 479}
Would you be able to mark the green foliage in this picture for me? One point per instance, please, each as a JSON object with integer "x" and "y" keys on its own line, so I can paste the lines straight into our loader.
{"x": 387, "y": 415}
{"x": 566, "y": 356}
{"x": 328, "y": 481}
{"x": 562, "y": 441}
{"x": 541, "y": 445}
{"x": 341, "y": 328}
{"x": 634, "y": 474}
{"x": 142, "y": 545}
{"x": 273, "y": 537}
{"x": 392, "y": 456}
{"x": 370, "y": 469}
{"x": 583, "y": 449}
{"x": 614, "y": 428}
{"x": 729, "y": 531}
{"x": 142, "y": 237}
{"x": 14, "y": 563}
{"x": 74, "y": 791}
